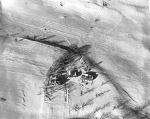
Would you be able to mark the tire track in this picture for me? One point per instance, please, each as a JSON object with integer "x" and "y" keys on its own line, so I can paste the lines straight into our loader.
{"x": 110, "y": 30}
{"x": 64, "y": 37}
{"x": 51, "y": 29}
{"x": 88, "y": 31}
{"x": 80, "y": 31}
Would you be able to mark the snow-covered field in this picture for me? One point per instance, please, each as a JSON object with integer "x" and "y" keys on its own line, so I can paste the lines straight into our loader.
{"x": 117, "y": 30}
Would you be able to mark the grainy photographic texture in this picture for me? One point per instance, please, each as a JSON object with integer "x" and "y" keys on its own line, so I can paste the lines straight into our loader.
{"x": 74, "y": 59}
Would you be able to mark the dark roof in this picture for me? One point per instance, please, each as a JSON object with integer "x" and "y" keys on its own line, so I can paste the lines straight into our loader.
{"x": 93, "y": 74}
{"x": 61, "y": 79}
